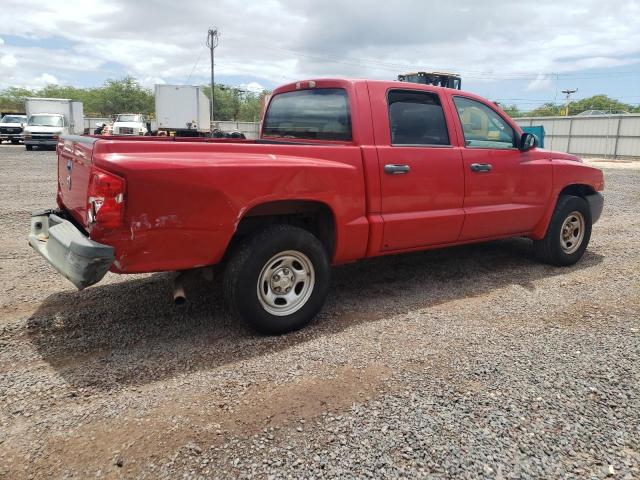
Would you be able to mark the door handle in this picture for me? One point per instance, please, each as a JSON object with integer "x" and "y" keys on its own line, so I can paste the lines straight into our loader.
{"x": 396, "y": 169}
{"x": 481, "y": 167}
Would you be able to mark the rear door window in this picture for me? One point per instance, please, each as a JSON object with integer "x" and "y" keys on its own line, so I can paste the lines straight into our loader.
{"x": 416, "y": 118}
{"x": 314, "y": 114}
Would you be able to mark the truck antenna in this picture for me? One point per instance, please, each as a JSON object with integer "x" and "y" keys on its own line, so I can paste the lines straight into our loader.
{"x": 212, "y": 43}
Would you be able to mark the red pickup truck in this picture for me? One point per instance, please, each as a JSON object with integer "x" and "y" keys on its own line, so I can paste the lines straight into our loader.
{"x": 343, "y": 170}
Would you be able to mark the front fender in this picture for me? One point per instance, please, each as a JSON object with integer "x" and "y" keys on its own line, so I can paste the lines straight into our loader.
{"x": 567, "y": 174}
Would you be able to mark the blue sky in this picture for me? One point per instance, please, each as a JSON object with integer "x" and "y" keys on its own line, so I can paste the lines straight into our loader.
{"x": 515, "y": 52}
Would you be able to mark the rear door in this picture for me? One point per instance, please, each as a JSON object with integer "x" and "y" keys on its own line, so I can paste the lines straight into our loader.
{"x": 506, "y": 190}
{"x": 421, "y": 175}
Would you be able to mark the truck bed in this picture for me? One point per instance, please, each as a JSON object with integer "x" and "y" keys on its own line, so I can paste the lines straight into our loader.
{"x": 185, "y": 197}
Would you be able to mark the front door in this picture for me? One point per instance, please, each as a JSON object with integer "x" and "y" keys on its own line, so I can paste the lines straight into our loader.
{"x": 421, "y": 176}
{"x": 506, "y": 190}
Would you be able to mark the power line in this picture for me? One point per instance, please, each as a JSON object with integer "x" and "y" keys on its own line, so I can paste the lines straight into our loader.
{"x": 195, "y": 64}
{"x": 473, "y": 74}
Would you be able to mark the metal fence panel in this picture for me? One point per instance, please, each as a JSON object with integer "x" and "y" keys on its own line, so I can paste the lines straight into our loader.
{"x": 614, "y": 136}
{"x": 630, "y": 127}
{"x": 629, "y": 147}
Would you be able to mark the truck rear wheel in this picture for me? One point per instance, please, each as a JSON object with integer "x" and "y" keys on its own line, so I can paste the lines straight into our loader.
{"x": 568, "y": 234}
{"x": 277, "y": 279}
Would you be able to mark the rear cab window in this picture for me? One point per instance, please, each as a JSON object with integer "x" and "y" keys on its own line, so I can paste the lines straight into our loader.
{"x": 482, "y": 126}
{"x": 416, "y": 118}
{"x": 313, "y": 114}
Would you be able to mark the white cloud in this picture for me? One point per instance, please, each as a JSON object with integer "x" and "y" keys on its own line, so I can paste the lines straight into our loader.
{"x": 254, "y": 87}
{"x": 149, "y": 82}
{"x": 273, "y": 41}
{"x": 46, "y": 79}
{"x": 8, "y": 61}
{"x": 541, "y": 82}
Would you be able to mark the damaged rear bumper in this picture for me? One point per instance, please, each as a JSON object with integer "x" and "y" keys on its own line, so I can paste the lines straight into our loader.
{"x": 81, "y": 260}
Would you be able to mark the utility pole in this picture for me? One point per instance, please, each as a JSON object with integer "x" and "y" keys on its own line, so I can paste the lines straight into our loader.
{"x": 212, "y": 43}
{"x": 567, "y": 94}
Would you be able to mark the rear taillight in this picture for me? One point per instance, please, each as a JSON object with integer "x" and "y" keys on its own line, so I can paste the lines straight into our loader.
{"x": 105, "y": 199}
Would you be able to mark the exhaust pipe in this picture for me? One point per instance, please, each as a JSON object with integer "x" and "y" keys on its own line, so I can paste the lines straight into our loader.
{"x": 179, "y": 297}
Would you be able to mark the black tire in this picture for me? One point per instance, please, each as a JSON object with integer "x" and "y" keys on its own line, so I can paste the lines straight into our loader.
{"x": 550, "y": 249}
{"x": 15, "y": 142}
{"x": 29, "y": 147}
{"x": 250, "y": 260}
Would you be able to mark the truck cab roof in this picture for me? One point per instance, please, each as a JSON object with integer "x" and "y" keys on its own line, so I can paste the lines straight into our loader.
{"x": 352, "y": 82}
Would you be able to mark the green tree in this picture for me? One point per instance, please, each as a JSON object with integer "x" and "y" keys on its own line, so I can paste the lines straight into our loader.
{"x": 546, "y": 110}
{"x": 512, "y": 110}
{"x": 12, "y": 99}
{"x": 127, "y": 95}
{"x": 596, "y": 102}
{"x": 235, "y": 104}
{"x": 251, "y": 108}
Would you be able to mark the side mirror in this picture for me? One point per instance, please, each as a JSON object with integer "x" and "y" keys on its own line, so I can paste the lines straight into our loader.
{"x": 528, "y": 141}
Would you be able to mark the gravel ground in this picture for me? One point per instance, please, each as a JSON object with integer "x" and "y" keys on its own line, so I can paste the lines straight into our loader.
{"x": 466, "y": 362}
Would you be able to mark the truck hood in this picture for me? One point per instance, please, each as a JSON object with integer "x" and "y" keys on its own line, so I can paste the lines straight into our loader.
{"x": 37, "y": 129}
{"x": 561, "y": 155}
{"x": 11, "y": 125}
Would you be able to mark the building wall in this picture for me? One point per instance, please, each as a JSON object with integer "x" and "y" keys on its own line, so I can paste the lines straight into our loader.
{"x": 615, "y": 136}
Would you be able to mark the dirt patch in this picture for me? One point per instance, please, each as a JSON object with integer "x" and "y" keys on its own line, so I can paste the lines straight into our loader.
{"x": 205, "y": 421}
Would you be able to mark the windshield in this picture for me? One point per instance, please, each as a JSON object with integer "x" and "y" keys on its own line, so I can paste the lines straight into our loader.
{"x": 46, "y": 121}
{"x": 318, "y": 114}
{"x": 128, "y": 117}
{"x": 13, "y": 119}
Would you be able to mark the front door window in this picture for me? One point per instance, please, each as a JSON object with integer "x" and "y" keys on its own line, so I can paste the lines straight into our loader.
{"x": 483, "y": 127}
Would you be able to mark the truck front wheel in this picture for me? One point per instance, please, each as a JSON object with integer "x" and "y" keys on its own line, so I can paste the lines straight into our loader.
{"x": 568, "y": 233}
{"x": 277, "y": 279}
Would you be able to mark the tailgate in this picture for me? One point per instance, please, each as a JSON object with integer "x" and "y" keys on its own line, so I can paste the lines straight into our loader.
{"x": 74, "y": 169}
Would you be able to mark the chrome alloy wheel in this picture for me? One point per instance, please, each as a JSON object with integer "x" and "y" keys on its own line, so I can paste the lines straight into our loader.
{"x": 286, "y": 283}
{"x": 572, "y": 232}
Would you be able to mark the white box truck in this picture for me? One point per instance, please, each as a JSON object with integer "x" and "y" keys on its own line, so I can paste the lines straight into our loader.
{"x": 48, "y": 118}
{"x": 183, "y": 109}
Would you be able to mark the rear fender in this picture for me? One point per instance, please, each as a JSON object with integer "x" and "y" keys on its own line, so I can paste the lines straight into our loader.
{"x": 183, "y": 210}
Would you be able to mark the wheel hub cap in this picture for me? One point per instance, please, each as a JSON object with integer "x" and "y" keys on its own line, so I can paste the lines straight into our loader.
{"x": 572, "y": 232}
{"x": 286, "y": 282}
{"x": 282, "y": 280}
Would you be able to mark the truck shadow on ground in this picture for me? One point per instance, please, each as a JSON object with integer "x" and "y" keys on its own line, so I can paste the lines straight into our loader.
{"x": 130, "y": 333}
